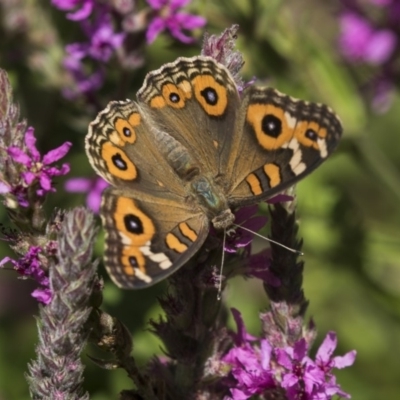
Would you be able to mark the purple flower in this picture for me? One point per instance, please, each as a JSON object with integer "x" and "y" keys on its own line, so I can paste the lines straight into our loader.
{"x": 30, "y": 266}
{"x": 103, "y": 39}
{"x": 312, "y": 379}
{"x": 301, "y": 375}
{"x": 251, "y": 371}
{"x": 360, "y": 41}
{"x": 93, "y": 187}
{"x": 324, "y": 360}
{"x": 83, "y": 8}
{"x": 85, "y": 82}
{"x": 169, "y": 18}
{"x": 243, "y": 234}
{"x": 37, "y": 169}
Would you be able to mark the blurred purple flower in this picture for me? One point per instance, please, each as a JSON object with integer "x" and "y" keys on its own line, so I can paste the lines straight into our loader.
{"x": 85, "y": 82}
{"x": 93, "y": 187}
{"x": 169, "y": 18}
{"x": 381, "y": 2}
{"x": 103, "y": 39}
{"x": 83, "y": 8}
{"x": 29, "y": 266}
{"x": 360, "y": 41}
{"x": 37, "y": 168}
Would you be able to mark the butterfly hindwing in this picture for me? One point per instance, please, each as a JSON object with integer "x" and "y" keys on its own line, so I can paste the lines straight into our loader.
{"x": 147, "y": 240}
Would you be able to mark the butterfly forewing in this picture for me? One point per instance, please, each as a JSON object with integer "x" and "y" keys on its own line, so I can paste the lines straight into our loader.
{"x": 280, "y": 140}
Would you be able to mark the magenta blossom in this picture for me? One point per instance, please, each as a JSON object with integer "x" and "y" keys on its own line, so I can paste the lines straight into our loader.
{"x": 38, "y": 169}
{"x": 311, "y": 380}
{"x": 250, "y": 366}
{"x": 81, "y": 8}
{"x": 169, "y": 18}
{"x": 360, "y": 41}
{"x": 29, "y": 266}
{"x": 92, "y": 187}
{"x": 248, "y": 223}
{"x": 257, "y": 367}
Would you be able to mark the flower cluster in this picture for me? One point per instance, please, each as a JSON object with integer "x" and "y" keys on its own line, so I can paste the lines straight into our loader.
{"x": 371, "y": 36}
{"x": 86, "y": 61}
{"x": 258, "y": 367}
{"x": 35, "y": 169}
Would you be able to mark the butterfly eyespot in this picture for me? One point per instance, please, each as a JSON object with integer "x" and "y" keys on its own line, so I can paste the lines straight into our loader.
{"x": 271, "y": 125}
{"x": 119, "y": 162}
{"x": 133, "y": 261}
{"x": 210, "y": 96}
{"x": 311, "y": 134}
{"x": 127, "y": 132}
{"x": 133, "y": 224}
{"x": 174, "y": 97}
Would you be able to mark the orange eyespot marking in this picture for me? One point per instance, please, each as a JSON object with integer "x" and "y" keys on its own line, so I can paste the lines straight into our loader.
{"x": 187, "y": 231}
{"x": 117, "y": 163}
{"x": 157, "y": 102}
{"x": 273, "y": 173}
{"x": 308, "y": 133}
{"x": 173, "y": 96}
{"x": 270, "y": 125}
{"x": 211, "y": 95}
{"x": 135, "y": 119}
{"x": 254, "y": 184}
{"x": 126, "y": 130}
{"x": 132, "y": 258}
{"x": 134, "y": 226}
{"x": 175, "y": 244}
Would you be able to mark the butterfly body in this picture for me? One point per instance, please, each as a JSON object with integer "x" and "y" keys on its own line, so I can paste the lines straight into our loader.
{"x": 189, "y": 153}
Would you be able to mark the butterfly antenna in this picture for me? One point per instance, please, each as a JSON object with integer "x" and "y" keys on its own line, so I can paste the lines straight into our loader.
{"x": 222, "y": 266}
{"x": 299, "y": 253}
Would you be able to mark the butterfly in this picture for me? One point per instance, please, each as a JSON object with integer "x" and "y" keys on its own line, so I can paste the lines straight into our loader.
{"x": 188, "y": 153}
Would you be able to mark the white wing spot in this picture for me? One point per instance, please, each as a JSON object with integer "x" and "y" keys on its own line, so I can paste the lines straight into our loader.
{"x": 322, "y": 147}
{"x": 142, "y": 276}
{"x": 126, "y": 241}
{"x": 291, "y": 121}
{"x": 160, "y": 258}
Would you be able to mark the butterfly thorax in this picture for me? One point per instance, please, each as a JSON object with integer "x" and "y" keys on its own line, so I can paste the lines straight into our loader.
{"x": 205, "y": 191}
{"x": 213, "y": 202}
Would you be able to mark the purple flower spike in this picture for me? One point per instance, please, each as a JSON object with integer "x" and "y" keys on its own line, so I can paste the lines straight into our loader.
{"x": 168, "y": 18}
{"x": 37, "y": 169}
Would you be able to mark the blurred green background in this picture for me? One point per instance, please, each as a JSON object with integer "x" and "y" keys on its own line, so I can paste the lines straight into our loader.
{"x": 348, "y": 209}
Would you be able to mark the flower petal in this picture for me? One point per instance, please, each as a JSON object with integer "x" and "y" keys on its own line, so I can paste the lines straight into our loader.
{"x": 56, "y": 154}
{"x": 19, "y": 156}
{"x": 154, "y": 29}
{"x": 78, "y": 185}
{"x": 30, "y": 142}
